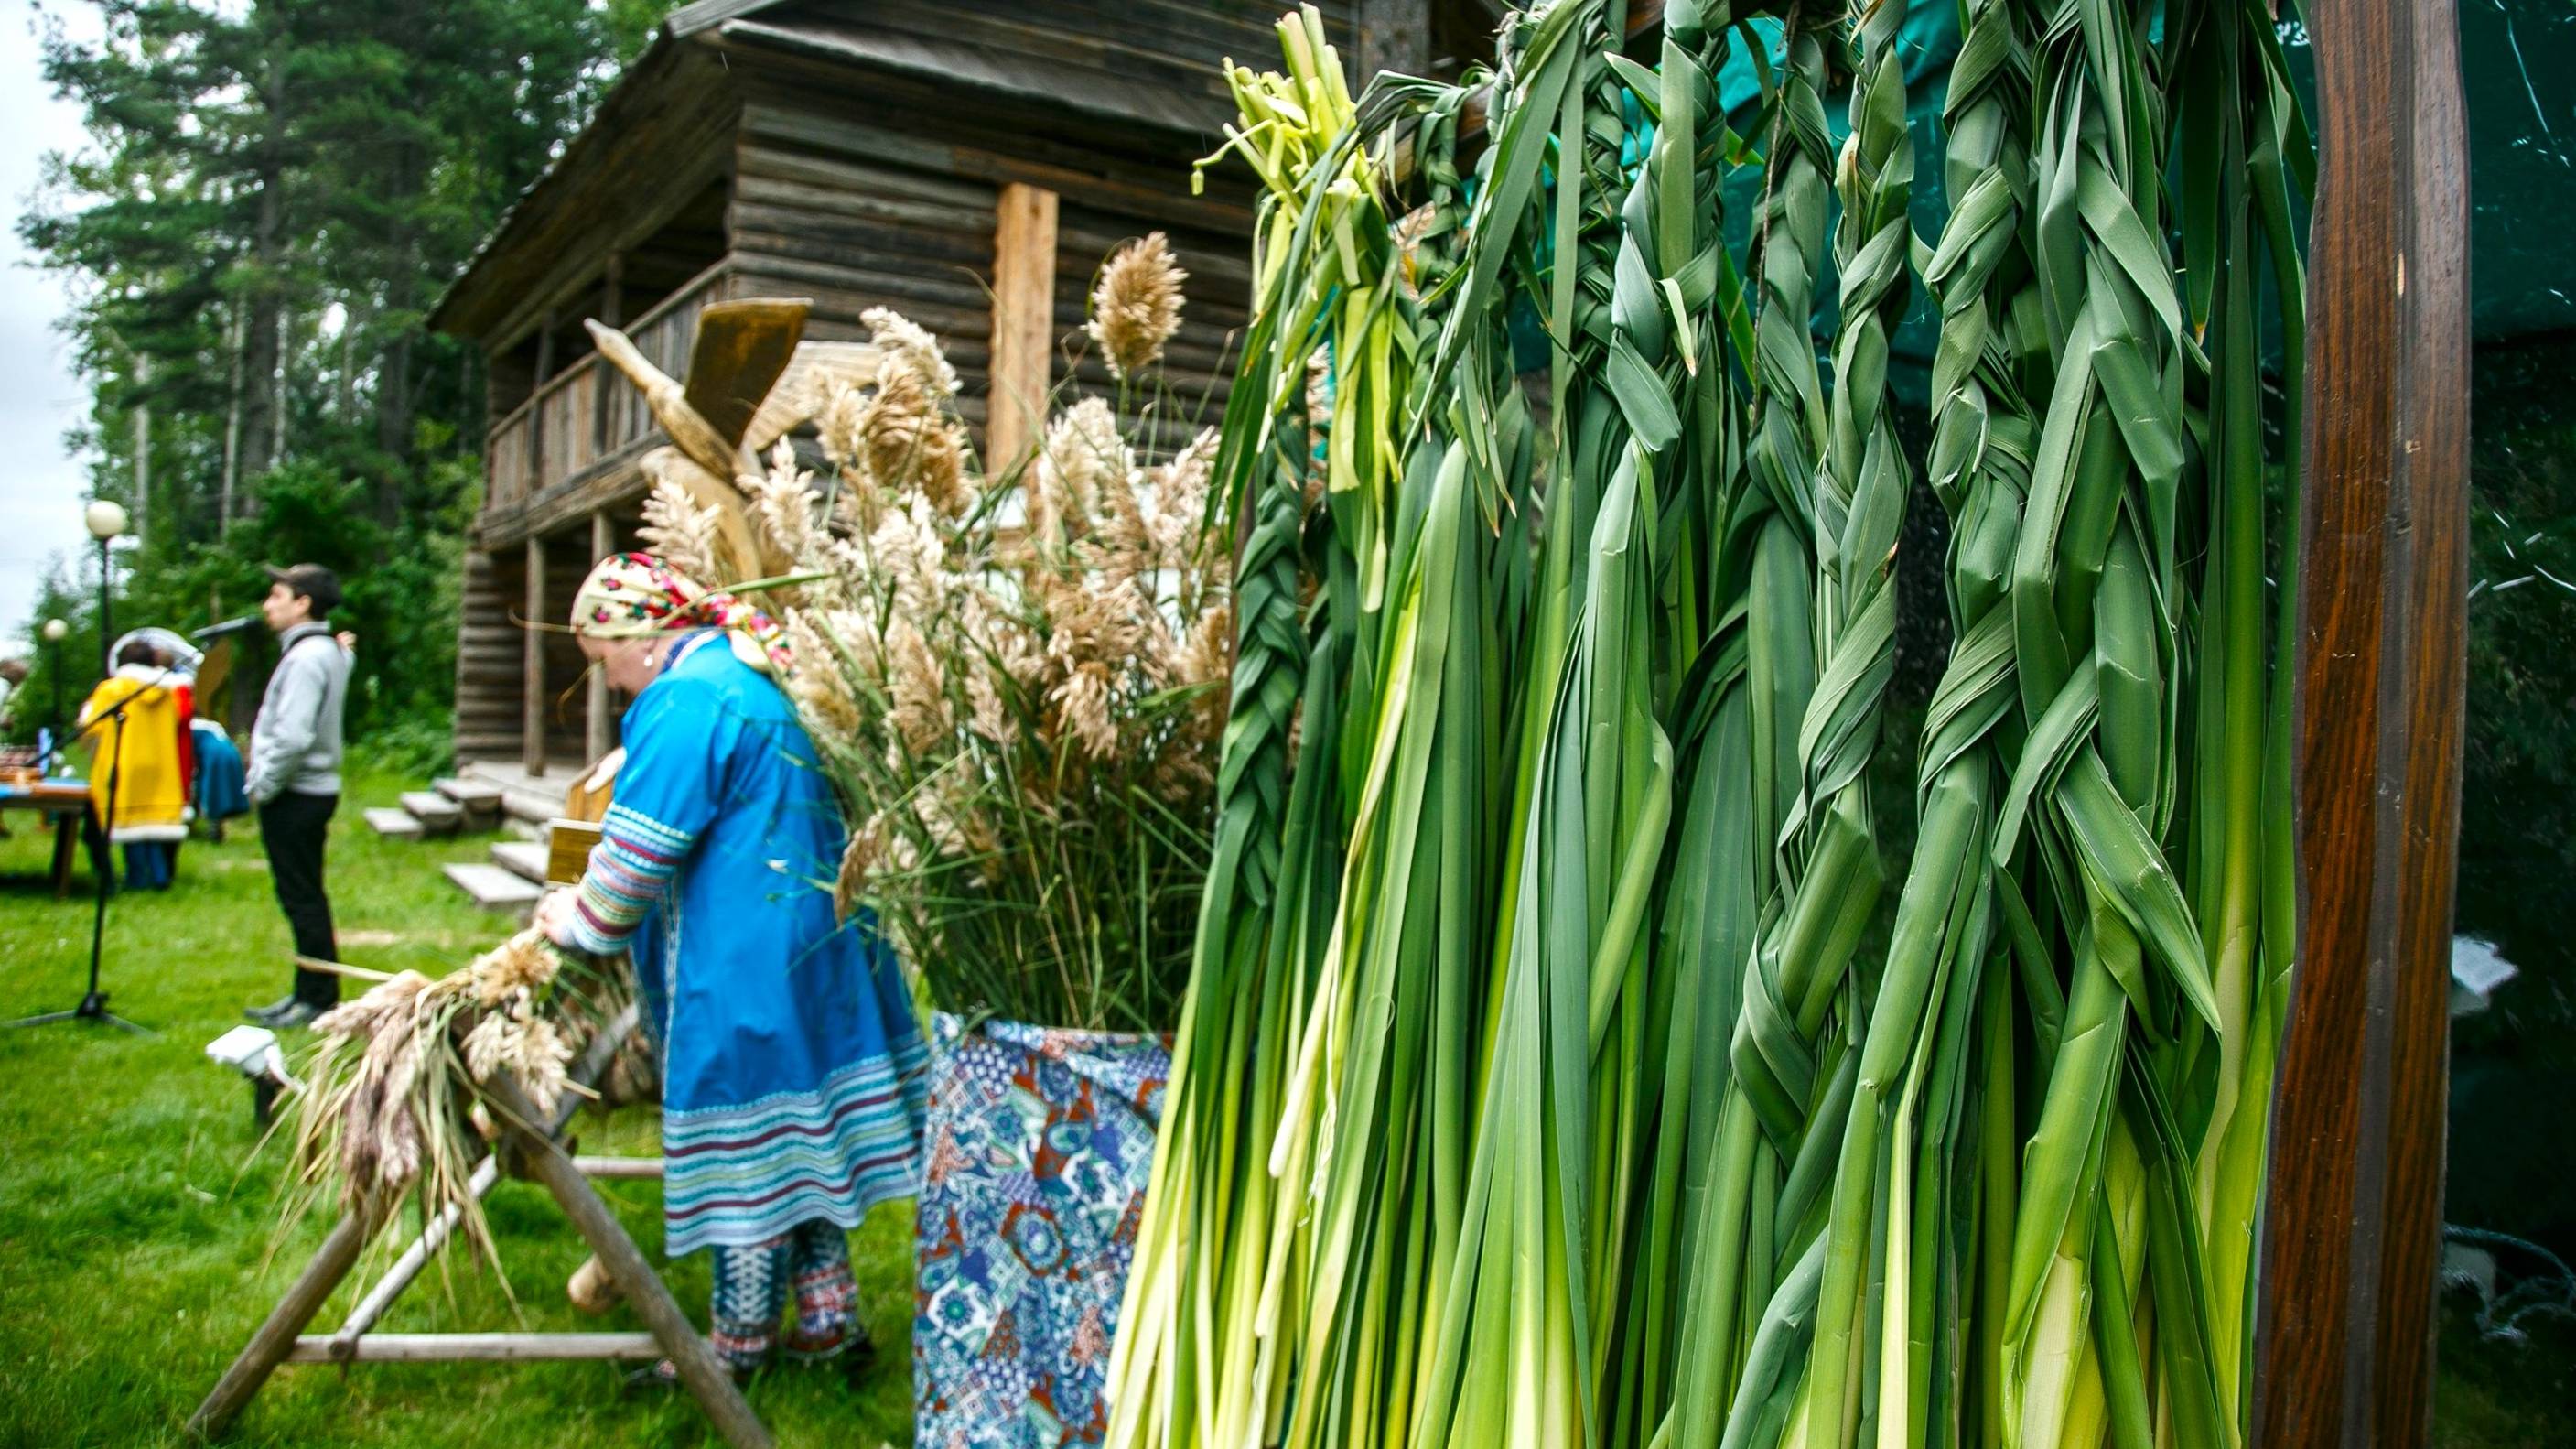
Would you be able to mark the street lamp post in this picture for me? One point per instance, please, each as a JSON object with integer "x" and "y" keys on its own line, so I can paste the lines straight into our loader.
{"x": 55, "y": 631}
{"x": 106, "y": 520}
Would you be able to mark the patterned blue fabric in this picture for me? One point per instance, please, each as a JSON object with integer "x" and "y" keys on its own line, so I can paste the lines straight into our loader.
{"x": 753, "y": 1285}
{"x": 792, "y": 1068}
{"x": 1036, "y": 1155}
{"x": 219, "y": 774}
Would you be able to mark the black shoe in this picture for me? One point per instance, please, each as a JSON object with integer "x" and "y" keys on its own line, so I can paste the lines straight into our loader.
{"x": 264, "y": 1014}
{"x": 851, "y": 1358}
{"x": 858, "y": 1359}
{"x": 296, "y": 1014}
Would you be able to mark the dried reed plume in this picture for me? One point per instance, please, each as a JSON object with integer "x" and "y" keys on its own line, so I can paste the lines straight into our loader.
{"x": 1136, "y": 306}
{"x": 678, "y": 529}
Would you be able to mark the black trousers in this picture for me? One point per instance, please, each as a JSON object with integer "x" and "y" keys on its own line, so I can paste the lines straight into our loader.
{"x": 292, "y": 828}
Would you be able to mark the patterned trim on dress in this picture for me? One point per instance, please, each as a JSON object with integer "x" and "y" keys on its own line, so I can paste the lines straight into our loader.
{"x": 741, "y": 1174}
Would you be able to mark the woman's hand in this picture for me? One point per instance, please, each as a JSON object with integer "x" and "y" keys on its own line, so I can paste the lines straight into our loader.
{"x": 554, "y": 916}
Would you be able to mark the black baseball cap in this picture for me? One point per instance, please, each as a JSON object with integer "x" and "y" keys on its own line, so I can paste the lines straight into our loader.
{"x": 312, "y": 581}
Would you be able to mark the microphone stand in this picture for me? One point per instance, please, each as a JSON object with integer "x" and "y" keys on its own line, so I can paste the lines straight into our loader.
{"x": 93, "y": 1005}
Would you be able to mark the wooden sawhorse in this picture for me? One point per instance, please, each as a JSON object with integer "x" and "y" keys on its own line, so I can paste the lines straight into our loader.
{"x": 540, "y": 1155}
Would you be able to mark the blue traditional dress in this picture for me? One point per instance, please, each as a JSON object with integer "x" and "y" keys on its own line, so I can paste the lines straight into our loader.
{"x": 792, "y": 1080}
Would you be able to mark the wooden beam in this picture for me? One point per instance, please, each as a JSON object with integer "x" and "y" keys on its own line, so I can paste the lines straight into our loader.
{"x": 701, "y": 1372}
{"x": 342, "y": 1346}
{"x": 477, "y": 1348}
{"x": 597, "y": 717}
{"x": 532, "y": 661}
{"x": 277, "y": 1336}
{"x": 2352, "y": 1227}
{"x": 637, "y": 1169}
{"x": 1392, "y": 35}
{"x": 1023, "y": 324}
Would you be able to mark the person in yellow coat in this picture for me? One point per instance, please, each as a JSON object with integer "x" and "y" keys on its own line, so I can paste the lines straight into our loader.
{"x": 150, "y": 816}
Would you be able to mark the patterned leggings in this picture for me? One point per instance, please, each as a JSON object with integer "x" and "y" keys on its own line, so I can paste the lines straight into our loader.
{"x": 752, "y": 1289}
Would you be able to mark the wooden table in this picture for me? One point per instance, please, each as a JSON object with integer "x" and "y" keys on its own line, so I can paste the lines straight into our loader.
{"x": 65, "y": 803}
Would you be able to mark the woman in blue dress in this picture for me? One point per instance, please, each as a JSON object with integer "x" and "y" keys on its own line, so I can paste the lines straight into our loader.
{"x": 791, "y": 1063}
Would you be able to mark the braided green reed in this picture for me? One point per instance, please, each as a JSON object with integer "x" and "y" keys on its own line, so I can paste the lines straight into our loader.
{"x": 1741, "y": 738}
{"x": 1859, "y": 504}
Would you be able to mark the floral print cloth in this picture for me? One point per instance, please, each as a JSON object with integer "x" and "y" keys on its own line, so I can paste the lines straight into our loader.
{"x": 1036, "y": 1153}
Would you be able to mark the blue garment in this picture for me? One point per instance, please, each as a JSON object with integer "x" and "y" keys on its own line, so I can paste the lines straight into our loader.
{"x": 220, "y": 793}
{"x": 792, "y": 1075}
{"x": 150, "y": 865}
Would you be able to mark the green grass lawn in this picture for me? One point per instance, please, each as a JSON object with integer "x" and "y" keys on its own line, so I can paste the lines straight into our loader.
{"x": 137, "y": 1228}
{"x": 138, "y": 1243}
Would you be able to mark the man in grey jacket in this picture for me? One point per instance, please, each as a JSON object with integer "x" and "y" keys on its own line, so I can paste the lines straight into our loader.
{"x": 295, "y": 775}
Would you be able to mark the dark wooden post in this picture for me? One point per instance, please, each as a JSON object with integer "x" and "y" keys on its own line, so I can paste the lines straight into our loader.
{"x": 1023, "y": 323}
{"x": 2352, "y": 1229}
{"x": 532, "y": 663}
{"x": 612, "y": 312}
{"x": 537, "y": 479}
{"x": 595, "y": 723}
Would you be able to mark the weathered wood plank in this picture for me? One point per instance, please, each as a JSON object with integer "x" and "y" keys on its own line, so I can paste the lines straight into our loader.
{"x": 1024, "y": 267}
{"x": 2344, "y": 1336}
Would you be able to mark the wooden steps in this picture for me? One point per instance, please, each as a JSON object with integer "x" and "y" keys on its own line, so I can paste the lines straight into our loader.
{"x": 395, "y": 824}
{"x": 437, "y": 814}
{"x": 525, "y": 859}
{"x": 493, "y": 887}
{"x": 480, "y": 800}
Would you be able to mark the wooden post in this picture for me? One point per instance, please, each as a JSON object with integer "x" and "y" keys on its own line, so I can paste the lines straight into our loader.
{"x": 612, "y": 312}
{"x": 1390, "y": 35}
{"x": 596, "y": 720}
{"x": 700, "y": 1370}
{"x": 537, "y": 415}
{"x": 2351, "y": 1230}
{"x": 1023, "y": 324}
{"x": 532, "y": 664}
{"x": 276, "y": 1337}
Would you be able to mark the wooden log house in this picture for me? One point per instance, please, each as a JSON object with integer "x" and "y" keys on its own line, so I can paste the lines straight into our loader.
{"x": 968, "y": 163}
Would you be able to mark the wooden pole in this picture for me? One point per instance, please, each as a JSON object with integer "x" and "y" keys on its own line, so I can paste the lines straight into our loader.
{"x": 700, "y": 1370}
{"x": 596, "y": 718}
{"x": 480, "y": 1348}
{"x": 342, "y": 1346}
{"x": 276, "y": 1337}
{"x": 1024, "y": 231}
{"x": 2352, "y": 1226}
{"x": 532, "y": 663}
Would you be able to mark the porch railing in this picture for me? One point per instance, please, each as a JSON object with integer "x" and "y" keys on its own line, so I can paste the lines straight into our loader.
{"x": 589, "y": 414}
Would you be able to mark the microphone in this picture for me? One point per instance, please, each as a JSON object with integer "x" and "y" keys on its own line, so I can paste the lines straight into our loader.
{"x": 229, "y": 626}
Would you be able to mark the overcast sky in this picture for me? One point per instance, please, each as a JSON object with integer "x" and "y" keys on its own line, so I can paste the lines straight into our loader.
{"x": 41, "y": 491}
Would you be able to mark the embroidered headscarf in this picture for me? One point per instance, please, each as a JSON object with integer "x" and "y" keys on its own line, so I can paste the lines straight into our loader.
{"x": 636, "y": 595}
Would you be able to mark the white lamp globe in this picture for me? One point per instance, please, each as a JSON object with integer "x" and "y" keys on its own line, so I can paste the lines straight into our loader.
{"x": 55, "y": 630}
{"x": 106, "y": 519}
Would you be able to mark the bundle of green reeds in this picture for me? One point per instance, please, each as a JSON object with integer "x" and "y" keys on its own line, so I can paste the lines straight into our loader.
{"x": 1546, "y": 1079}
